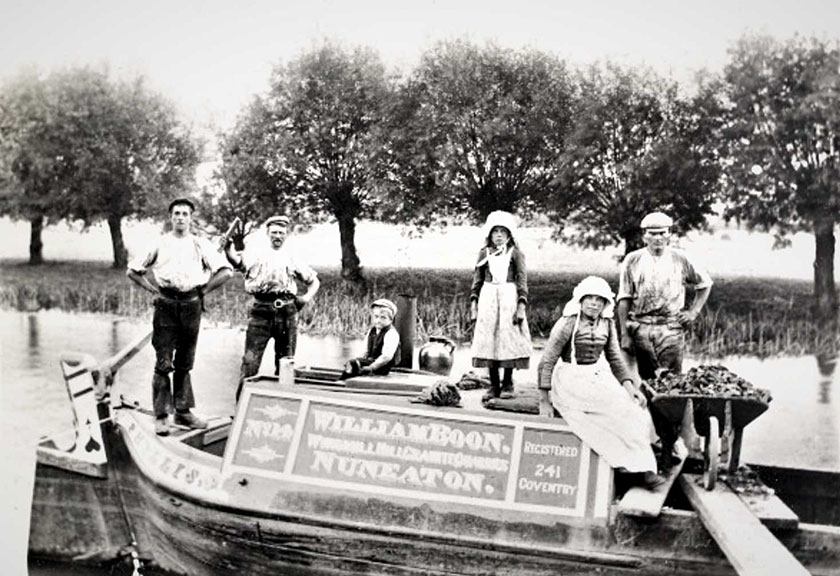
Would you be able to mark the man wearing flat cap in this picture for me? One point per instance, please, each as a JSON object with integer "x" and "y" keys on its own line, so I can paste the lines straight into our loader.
{"x": 651, "y": 299}
{"x": 180, "y": 270}
{"x": 271, "y": 272}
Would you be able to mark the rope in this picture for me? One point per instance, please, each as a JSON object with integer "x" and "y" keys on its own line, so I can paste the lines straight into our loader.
{"x": 135, "y": 558}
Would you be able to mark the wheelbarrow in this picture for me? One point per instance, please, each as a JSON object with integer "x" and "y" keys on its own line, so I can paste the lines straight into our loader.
{"x": 719, "y": 419}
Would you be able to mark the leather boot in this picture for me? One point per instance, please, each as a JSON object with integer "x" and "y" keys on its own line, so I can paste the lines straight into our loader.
{"x": 507, "y": 385}
{"x": 495, "y": 386}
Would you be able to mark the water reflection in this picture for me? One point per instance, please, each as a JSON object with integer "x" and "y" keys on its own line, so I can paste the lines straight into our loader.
{"x": 32, "y": 341}
{"x": 801, "y": 428}
{"x": 826, "y": 363}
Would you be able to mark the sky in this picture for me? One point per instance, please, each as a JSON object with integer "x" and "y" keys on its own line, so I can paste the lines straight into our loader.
{"x": 211, "y": 56}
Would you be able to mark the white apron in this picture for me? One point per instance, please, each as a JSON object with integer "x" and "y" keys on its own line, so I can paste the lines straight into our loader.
{"x": 496, "y": 337}
{"x": 602, "y": 414}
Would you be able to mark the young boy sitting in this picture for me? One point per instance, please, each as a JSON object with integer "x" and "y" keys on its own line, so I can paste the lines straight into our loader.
{"x": 383, "y": 343}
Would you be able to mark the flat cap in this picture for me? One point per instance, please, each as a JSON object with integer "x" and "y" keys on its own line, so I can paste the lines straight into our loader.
{"x": 183, "y": 201}
{"x": 657, "y": 220}
{"x": 279, "y": 220}
{"x": 387, "y": 305}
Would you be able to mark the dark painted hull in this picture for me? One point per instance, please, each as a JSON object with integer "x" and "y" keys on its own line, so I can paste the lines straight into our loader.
{"x": 81, "y": 519}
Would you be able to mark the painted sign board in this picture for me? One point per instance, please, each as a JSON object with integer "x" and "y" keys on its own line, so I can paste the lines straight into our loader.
{"x": 163, "y": 464}
{"x": 407, "y": 452}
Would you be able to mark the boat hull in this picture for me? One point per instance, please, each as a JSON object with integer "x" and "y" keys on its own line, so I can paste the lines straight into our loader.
{"x": 194, "y": 504}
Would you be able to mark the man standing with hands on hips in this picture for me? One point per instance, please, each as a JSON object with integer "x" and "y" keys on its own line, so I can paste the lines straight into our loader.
{"x": 184, "y": 269}
{"x": 651, "y": 299}
{"x": 271, "y": 274}
{"x": 651, "y": 315}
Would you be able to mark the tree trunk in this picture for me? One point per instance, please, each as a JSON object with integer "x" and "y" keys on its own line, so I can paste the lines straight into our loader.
{"x": 117, "y": 244}
{"x": 351, "y": 269}
{"x": 825, "y": 294}
{"x": 36, "y": 246}
{"x": 633, "y": 240}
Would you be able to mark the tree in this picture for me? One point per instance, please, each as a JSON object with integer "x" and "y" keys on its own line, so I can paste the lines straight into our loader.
{"x": 129, "y": 152}
{"x": 305, "y": 148}
{"x": 781, "y": 143}
{"x": 636, "y": 147}
{"x": 80, "y": 146}
{"x": 476, "y": 129}
{"x": 31, "y": 157}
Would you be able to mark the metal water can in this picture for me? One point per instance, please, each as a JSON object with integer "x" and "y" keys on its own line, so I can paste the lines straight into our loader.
{"x": 437, "y": 355}
{"x": 286, "y": 371}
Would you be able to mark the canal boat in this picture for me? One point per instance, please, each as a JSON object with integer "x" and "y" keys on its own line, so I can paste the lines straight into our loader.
{"x": 319, "y": 475}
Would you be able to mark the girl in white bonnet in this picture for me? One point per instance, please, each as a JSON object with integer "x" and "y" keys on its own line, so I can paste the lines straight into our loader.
{"x": 498, "y": 301}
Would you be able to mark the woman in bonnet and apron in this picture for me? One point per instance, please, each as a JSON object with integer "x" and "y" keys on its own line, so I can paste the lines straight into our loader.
{"x": 499, "y": 295}
{"x": 599, "y": 400}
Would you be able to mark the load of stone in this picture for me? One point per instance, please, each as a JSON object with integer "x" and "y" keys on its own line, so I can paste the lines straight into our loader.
{"x": 708, "y": 380}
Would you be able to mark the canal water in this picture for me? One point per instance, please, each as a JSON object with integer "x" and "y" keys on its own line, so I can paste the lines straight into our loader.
{"x": 800, "y": 429}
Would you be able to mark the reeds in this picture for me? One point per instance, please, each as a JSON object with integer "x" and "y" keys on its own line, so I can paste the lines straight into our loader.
{"x": 760, "y": 317}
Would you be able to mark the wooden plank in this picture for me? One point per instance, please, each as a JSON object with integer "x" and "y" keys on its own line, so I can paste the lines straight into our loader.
{"x": 117, "y": 361}
{"x": 761, "y": 500}
{"x": 748, "y": 545}
{"x": 414, "y": 382}
{"x": 771, "y": 511}
{"x": 648, "y": 502}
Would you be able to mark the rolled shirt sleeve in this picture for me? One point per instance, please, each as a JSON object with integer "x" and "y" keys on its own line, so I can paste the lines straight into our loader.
{"x": 212, "y": 258}
{"x": 302, "y": 270}
{"x": 626, "y": 286}
{"x": 694, "y": 275}
{"x": 143, "y": 260}
{"x": 657, "y": 285}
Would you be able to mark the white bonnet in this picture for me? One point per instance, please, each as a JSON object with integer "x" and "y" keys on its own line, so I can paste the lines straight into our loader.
{"x": 591, "y": 286}
{"x": 500, "y": 218}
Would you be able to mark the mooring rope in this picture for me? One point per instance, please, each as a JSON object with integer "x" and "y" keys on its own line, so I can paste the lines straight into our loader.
{"x": 135, "y": 558}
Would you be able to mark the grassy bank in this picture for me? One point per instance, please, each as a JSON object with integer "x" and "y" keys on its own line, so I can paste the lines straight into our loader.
{"x": 756, "y": 316}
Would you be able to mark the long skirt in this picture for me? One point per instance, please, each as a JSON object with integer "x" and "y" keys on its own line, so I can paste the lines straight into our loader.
{"x": 602, "y": 414}
{"x": 496, "y": 337}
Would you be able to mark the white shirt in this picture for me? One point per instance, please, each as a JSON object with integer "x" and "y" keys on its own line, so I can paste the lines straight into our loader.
{"x": 390, "y": 343}
{"x": 656, "y": 284}
{"x": 180, "y": 262}
{"x": 268, "y": 270}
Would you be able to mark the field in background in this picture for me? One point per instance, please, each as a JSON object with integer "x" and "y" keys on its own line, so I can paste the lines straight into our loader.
{"x": 756, "y": 316}
{"x": 726, "y": 251}
{"x": 760, "y": 303}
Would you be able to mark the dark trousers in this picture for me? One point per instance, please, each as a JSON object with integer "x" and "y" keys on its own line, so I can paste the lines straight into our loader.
{"x": 364, "y": 361}
{"x": 174, "y": 336}
{"x": 658, "y": 346}
{"x": 267, "y": 322}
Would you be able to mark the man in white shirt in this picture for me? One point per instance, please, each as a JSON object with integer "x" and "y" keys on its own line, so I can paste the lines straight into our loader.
{"x": 180, "y": 270}
{"x": 651, "y": 299}
{"x": 271, "y": 275}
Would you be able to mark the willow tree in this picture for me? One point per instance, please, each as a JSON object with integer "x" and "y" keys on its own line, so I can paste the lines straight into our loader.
{"x": 782, "y": 146}
{"x": 83, "y": 146}
{"x": 305, "y": 147}
{"x": 476, "y": 129}
{"x": 636, "y": 146}
{"x": 31, "y": 158}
